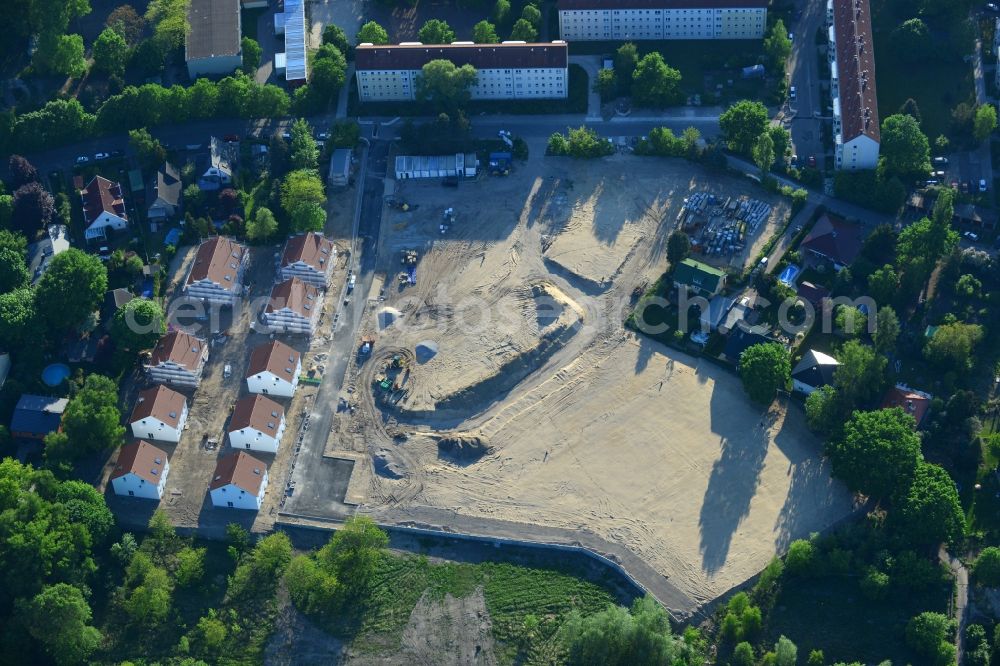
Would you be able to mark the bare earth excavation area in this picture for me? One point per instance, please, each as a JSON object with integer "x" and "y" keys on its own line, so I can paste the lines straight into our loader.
{"x": 503, "y": 385}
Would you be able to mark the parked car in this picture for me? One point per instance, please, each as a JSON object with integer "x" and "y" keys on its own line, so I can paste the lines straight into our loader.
{"x": 101, "y": 156}
{"x": 104, "y": 253}
{"x": 930, "y": 183}
{"x": 231, "y": 138}
{"x": 965, "y": 187}
{"x": 322, "y": 136}
{"x": 982, "y": 184}
{"x": 971, "y": 236}
{"x": 992, "y": 6}
{"x": 940, "y": 161}
{"x": 227, "y": 371}
{"x": 812, "y": 161}
{"x": 82, "y": 159}
{"x": 791, "y": 93}
{"x": 794, "y": 162}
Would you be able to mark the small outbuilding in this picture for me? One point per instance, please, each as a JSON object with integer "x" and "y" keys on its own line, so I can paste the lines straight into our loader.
{"x": 340, "y": 168}
{"x": 35, "y": 416}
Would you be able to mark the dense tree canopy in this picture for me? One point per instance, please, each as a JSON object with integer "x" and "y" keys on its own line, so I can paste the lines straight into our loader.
{"x": 33, "y": 208}
{"x": 445, "y": 84}
{"x": 878, "y": 453}
{"x": 19, "y": 317}
{"x": 372, "y": 33}
{"x": 71, "y": 289}
{"x": 111, "y": 52}
{"x": 951, "y": 346}
{"x": 765, "y": 368}
{"x": 304, "y": 154}
{"x": 58, "y": 617}
{"x": 91, "y": 421}
{"x": 654, "y": 83}
{"x": 912, "y": 40}
{"x": 987, "y": 567}
{"x": 931, "y": 512}
{"x": 742, "y": 123}
{"x": 524, "y": 31}
{"x": 905, "y": 150}
{"x": 22, "y": 171}
{"x": 436, "y": 31}
{"x": 617, "y": 637}
{"x": 13, "y": 271}
{"x": 484, "y": 32}
{"x": 777, "y": 45}
{"x": 334, "y": 34}
{"x": 138, "y": 325}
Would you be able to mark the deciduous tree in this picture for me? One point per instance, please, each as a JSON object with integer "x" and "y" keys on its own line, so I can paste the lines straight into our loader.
{"x": 763, "y": 153}
{"x": 523, "y": 31}
{"x": 987, "y": 567}
{"x": 59, "y": 618}
{"x": 110, "y": 52}
{"x": 304, "y": 154}
{"x": 372, "y": 33}
{"x": 262, "y": 225}
{"x": 765, "y": 368}
{"x": 742, "y": 123}
{"x": 445, "y": 84}
{"x": 32, "y": 210}
{"x": 985, "y": 122}
{"x": 354, "y": 552}
{"x": 127, "y": 22}
{"x": 252, "y": 53}
{"x": 618, "y": 637}
{"x": 878, "y": 453}
{"x": 931, "y": 512}
{"x": 777, "y": 45}
{"x": 334, "y": 34}
{"x": 678, "y": 247}
{"x": 485, "y": 32}
{"x": 22, "y": 171}
{"x": 71, "y": 289}
{"x": 138, "y": 325}
{"x": 951, "y": 346}
{"x": 13, "y": 271}
{"x": 150, "y": 151}
{"x": 436, "y": 31}
{"x": 654, "y": 83}
{"x": 92, "y": 420}
{"x": 904, "y": 148}
{"x": 19, "y": 317}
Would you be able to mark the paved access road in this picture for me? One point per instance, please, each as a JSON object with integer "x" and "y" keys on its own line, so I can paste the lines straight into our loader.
{"x": 312, "y": 478}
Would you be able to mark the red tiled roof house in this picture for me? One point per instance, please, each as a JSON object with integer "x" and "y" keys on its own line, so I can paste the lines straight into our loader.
{"x": 103, "y": 208}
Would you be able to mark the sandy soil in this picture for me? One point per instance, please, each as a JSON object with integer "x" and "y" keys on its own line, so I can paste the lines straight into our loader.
{"x": 644, "y": 446}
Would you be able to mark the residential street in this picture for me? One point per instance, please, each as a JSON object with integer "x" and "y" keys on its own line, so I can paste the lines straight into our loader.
{"x": 803, "y": 115}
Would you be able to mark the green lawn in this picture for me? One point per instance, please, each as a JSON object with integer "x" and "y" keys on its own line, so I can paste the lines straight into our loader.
{"x": 831, "y": 614}
{"x": 937, "y": 85}
{"x": 512, "y": 593}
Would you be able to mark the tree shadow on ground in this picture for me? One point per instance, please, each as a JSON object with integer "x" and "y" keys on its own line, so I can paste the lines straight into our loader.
{"x": 734, "y": 479}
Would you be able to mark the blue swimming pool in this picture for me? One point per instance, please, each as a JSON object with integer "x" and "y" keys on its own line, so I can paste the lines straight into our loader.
{"x": 789, "y": 274}
{"x": 55, "y": 374}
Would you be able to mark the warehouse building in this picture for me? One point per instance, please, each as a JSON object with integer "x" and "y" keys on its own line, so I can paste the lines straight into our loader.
{"x": 212, "y": 44}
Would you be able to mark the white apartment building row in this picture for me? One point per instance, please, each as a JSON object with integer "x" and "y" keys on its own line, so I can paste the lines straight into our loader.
{"x": 633, "y": 20}
{"x": 510, "y": 70}
{"x": 856, "y": 132}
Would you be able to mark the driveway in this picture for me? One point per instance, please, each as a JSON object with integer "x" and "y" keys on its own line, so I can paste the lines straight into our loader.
{"x": 592, "y": 65}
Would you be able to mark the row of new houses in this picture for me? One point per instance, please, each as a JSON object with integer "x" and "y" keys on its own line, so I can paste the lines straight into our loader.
{"x": 257, "y": 422}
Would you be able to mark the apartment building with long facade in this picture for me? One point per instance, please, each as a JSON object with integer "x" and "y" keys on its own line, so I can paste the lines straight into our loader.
{"x": 634, "y": 20}
{"x": 510, "y": 70}
{"x": 856, "y": 131}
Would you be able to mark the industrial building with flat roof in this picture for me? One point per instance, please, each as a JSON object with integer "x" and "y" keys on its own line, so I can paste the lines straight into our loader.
{"x": 212, "y": 45}
{"x": 511, "y": 70}
{"x": 621, "y": 20}
{"x": 856, "y": 132}
{"x": 291, "y": 23}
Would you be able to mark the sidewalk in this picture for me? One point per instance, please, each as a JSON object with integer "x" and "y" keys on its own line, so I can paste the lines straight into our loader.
{"x": 345, "y": 92}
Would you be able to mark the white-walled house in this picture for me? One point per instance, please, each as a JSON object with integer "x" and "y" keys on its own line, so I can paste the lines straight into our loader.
{"x": 239, "y": 482}
{"x": 815, "y": 370}
{"x": 310, "y": 258}
{"x": 257, "y": 424}
{"x": 856, "y": 132}
{"x": 160, "y": 414}
{"x": 141, "y": 471}
{"x": 294, "y": 307}
{"x": 274, "y": 369}
{"x": 216, "y": 274}
{"x": 178, "y": 359}
{"x": 510, "y": 70}
{"x": 103, "y": 208}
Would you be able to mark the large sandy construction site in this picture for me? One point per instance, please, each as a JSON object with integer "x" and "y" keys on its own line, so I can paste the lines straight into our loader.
{"x": 503, "y": 385}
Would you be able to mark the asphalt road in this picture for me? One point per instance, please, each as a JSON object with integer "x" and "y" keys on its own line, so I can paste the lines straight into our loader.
{"x": 312, "y": 480}
{"x": 803, "y": 68}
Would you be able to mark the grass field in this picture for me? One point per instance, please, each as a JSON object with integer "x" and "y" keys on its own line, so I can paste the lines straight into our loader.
{"x": 830, "y": 614}
{"x": 512, "y": 594}
{"x": 943, "y": 80}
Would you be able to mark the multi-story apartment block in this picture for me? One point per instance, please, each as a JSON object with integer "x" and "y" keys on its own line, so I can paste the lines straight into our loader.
{"x": 856, "y": 132}
{"x": 511, "y": 70}
{"x": 308, "y": 257}
{"x": 216, "y": 275}
{"x": 631, "y": 20}
{"x": 294, "y": 307}
{"x": 178, "y": 359}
